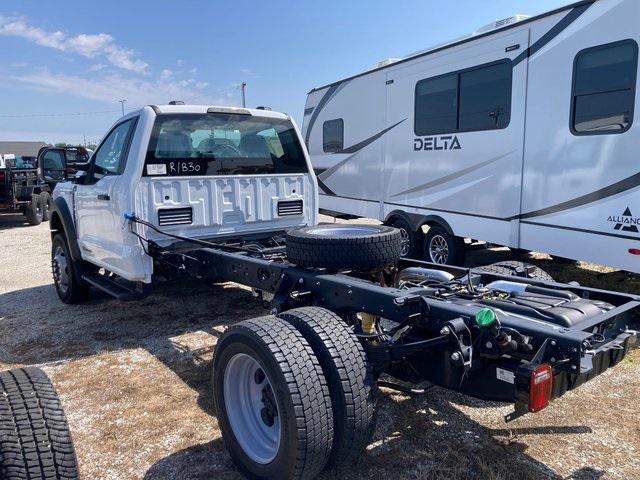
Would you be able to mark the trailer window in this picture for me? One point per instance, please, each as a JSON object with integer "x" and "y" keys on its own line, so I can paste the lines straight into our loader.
{"x": 604, "y": 87}
{"x": 333, "y": 136}
{"x": 474, "y": 99}
{"x": 485, "y": 98}
{"x": 223, "y": 144}
{"x": 436, "y": 106}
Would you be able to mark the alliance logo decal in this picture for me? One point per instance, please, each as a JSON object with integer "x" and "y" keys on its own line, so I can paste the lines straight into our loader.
{"x": 445, "y": 142}
{"x": 625, "y": 222}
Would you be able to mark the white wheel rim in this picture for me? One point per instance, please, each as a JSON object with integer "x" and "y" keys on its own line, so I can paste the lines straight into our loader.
{"x": 60, "y": 270}
{"x": 251, "y": 408}
{"x": 439, "y": 250}
{"x": 406, "y": 242}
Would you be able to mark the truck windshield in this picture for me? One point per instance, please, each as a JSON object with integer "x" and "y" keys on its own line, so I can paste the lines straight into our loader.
{"x": 223, "y": 144}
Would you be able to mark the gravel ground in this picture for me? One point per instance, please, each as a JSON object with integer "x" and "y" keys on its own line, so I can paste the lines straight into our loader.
{"x": 134, "y": 381}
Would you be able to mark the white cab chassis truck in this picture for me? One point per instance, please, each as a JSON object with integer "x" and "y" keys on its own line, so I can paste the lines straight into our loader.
{"x": 228, "y": 194}
{"x": 522, "y": 134}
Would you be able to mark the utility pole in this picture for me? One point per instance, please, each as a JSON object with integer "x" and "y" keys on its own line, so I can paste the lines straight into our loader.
{"x": 122, "y": 103}
{"x": 243, "y": 86}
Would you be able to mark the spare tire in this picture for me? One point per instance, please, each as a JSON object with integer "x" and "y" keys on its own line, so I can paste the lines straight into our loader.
{"x": 344, "y": 246}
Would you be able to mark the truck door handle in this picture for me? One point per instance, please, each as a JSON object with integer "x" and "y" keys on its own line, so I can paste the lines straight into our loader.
{"x": 104, "y": 196}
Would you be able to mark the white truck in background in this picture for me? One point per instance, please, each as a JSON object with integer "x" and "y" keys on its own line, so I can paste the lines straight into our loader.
{"x": 522, "y": 134}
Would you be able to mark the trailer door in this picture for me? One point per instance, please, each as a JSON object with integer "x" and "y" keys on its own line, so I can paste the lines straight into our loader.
{"x": 455, "y": 148}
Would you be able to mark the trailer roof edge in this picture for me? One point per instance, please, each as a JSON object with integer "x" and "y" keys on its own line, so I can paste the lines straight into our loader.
{"x": 461, "y": 42}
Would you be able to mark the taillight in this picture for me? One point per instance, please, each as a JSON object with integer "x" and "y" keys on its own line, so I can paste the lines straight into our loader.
{"x": 634, "y": 251}
{"x": 540, "y": 387}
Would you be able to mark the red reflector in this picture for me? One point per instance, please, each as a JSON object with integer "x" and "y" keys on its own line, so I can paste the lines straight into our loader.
{"x": 540, "y": 387}
{"x": 634, "y": 251}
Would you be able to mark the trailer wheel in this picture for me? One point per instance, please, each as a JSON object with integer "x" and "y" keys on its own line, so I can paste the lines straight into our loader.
{"x": 35, "y": 441}
{"x": 66, "y": 276}
{"x": 272, "y": 400}
{"x": 349, "y": 376}
{"x": 443, "y": 248}
{"x": 344, "y": 246}
{"x": 47, "y": 204}
{"x": 33, "y": 212}
{"x": 412, "y": 241}
{"x": 513, "y": 268}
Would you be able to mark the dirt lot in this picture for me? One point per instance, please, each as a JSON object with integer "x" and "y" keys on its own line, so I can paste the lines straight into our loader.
{"x": 134, "y": 380}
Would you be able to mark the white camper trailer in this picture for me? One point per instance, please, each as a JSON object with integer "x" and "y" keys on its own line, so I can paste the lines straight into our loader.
{"x": 521, "y": 134}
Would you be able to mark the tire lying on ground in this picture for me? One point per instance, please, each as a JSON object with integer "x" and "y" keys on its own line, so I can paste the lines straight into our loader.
{"x": 35, "y": 442}
{"x": 349, "y": 376}
{"x": 513, "y": 268}
{"x": 344, "y": 246}
{"x": 272, "y": 400}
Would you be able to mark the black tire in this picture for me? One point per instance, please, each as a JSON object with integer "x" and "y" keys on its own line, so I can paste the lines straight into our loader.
{"x": 344, "y": 246}
{"x": 412, "y": 240}
{"x": 33, "y": 212}
{"x": 349, "y": 376}
{"x": 35, "y": 442}
{"x": 66, "y": 276}
{"x": 442, "y": 248}
{"x": 300, "y": 392}
{"x": 513, "y": 268}
{"x": 46, "y": 205}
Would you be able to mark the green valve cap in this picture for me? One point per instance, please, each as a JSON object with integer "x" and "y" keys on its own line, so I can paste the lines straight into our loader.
{"x": 485, "y": 317}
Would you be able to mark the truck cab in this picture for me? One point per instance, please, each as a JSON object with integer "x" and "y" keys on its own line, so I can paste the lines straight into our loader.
{"x": 201, "y": 172}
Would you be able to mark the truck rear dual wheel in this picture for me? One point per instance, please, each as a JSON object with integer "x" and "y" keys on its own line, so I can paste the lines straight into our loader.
{"x": 349, "y": 377}
{"x": 46, "y": 205}
{"x": 272, "y": 400}
{"x": 294, "y": 394}
{"x": 34, "y": 212}
{"x": 35, "y": 442}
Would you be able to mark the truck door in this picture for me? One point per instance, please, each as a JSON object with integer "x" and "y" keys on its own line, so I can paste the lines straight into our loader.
{"x": 97, "y": 204}
{"x": 457, "y": 146}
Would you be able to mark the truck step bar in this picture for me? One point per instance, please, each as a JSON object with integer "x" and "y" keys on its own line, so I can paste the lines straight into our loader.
{"x": 113, "y": 288}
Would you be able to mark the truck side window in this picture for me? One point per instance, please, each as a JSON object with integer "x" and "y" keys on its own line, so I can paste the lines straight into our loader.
{"x": 604, "y": 88}
{"x": 333, "y": 136}
{"x": 474, "y": 99}
{"x": 111, "y": 155}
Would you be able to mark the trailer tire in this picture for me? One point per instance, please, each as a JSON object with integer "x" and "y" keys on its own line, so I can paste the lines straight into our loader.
{"x": 512, "y": 268}
{"x": 344, "y": 246}
{"x": 33, "y": 212}
{"x": 349, "y": 376}
{"x": 66, "y": 273}
{"x": 47, "y": 206}
{"x": 35, "y": 441}
{"x": 444, "y": 248}
{"x": 412, "y": 240}
{"x": 271, "y": 352}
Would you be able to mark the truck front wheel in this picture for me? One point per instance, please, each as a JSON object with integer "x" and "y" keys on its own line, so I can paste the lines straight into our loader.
{"x": 272, "y": 400}
{"x": 66, "y": 276}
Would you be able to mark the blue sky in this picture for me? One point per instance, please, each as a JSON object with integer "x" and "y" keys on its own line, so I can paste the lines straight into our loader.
{"x": 79, "y": 57}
